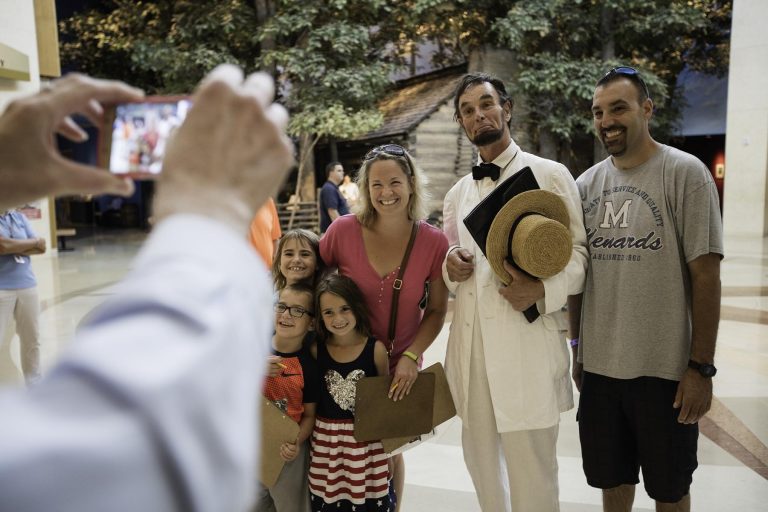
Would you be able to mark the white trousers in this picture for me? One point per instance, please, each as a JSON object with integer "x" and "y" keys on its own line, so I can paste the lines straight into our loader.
{"x": 511, "y": 471}
{"x": 23, "y": 306}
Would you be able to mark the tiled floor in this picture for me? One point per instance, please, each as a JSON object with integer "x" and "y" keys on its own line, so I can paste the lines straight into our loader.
{"x": 733, "y": 457}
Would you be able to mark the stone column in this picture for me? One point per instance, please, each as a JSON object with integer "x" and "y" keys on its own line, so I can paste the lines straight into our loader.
{"x": 746, "y": 149}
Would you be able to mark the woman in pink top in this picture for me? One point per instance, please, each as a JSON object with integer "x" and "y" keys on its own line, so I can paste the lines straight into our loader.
{"x": 369, "y": 247}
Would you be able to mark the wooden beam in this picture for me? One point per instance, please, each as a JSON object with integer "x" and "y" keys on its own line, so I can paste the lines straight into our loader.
{"x": 47, "y": 38}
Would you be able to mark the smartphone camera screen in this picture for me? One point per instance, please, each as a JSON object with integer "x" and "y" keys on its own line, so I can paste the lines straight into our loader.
{"x": 140, "y": 133}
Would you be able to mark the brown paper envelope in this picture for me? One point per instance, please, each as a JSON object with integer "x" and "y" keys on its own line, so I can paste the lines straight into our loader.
{"x": 443, "y": 410}
{"x": 378, "y": 417}
{"x": 394, "y": 443}
{"x": 276, "y": 428}
{"x": 444, "y": 407}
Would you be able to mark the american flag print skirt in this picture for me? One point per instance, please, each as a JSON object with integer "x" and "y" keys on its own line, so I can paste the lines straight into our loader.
{"x": 345, "y": 474}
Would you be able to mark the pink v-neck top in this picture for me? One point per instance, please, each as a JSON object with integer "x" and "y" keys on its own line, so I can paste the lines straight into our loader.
{"x": 342, "y": 246}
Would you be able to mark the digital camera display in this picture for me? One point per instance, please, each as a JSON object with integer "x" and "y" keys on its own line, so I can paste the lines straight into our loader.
{"x": 140, "y": 133}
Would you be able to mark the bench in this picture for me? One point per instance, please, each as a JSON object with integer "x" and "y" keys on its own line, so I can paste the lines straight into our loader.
{"x": 61, "y": 237}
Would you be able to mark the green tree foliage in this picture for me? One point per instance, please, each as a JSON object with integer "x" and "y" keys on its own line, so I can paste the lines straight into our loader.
{"x": 329, "y": 56}
{"x": 164, "y": 46}
{"x": 330, "y": 61}
{"x": 563, "y": 46}
{"x": 333, "y": 58}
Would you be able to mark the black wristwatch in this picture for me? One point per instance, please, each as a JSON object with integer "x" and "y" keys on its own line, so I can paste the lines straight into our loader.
{"x": 706, "y": 370}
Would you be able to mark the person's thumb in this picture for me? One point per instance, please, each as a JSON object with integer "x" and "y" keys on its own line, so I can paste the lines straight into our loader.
{"x": 74, "y": 178}
{"x": 511, "y": 270}
{"x": 465, "y": 255}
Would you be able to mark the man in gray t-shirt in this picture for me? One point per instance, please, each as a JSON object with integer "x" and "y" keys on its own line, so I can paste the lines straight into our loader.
{"x": 650, "y": 308}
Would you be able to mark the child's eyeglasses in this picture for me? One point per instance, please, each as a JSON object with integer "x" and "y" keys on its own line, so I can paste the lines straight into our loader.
{"x": 391, "y": 150}
{"x": 630, "y": 73}
{"x": 294, "y": 311}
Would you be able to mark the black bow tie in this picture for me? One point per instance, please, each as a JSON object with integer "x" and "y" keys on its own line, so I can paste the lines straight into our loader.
{"x": 486, "y": 171}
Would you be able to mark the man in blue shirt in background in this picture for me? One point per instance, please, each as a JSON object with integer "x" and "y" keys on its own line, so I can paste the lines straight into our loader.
{"x": 332, "y": 203}
{"x": 18, "y": 288}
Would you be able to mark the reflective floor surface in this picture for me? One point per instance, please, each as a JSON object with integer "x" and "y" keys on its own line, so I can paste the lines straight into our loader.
{"x": 733, "y": 457}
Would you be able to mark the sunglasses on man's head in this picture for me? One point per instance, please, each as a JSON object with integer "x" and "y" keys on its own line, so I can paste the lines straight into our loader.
{"x": 631, "y": 73}
{"x": 390, "y": 150}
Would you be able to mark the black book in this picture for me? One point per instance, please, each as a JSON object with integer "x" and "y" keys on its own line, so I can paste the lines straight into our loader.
{"x": 479, "y": 220}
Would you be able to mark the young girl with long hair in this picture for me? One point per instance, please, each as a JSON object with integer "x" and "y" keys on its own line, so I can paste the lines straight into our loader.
{"x": 344, "y": 474}
{"x": 297, "y": 258}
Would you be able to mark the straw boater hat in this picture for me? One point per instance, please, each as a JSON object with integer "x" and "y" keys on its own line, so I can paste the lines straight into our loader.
{"x": 532, "y": 229}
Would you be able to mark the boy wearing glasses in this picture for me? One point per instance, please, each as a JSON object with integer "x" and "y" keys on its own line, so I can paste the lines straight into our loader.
{"x": 509, "y": 377}
{"x": 292, "y": 384}
{"x": 650, "y": 307}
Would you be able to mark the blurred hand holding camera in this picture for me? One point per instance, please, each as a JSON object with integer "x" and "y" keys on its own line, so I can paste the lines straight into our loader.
{"x": 230, "y": 154}
{"x": 31, "y": 166}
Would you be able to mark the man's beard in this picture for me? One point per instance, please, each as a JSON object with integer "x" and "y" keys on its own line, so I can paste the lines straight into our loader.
{"x": 615, "y": 151}
{"x": 488, "y": 137}
{"x": 616, "y": 147}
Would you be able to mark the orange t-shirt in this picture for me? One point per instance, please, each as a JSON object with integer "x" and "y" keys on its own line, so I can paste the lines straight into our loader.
{"x": 297, "y": 384}
{"x": 264, "y": 230}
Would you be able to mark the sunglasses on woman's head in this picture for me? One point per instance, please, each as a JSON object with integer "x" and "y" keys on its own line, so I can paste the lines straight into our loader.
{"x": 387, "y": 149}
{"x": 390, "y": 150}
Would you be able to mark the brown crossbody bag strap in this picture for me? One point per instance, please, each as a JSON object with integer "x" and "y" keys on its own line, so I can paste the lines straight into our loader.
{"x": 396, "y": 285}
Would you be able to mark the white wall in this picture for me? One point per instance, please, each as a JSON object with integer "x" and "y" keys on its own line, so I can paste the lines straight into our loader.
{"x": 746, "y": 148}
{"x": 17, "y": 30}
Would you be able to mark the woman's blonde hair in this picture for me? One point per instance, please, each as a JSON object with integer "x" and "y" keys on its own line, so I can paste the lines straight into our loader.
{"x": 364, "y": 209}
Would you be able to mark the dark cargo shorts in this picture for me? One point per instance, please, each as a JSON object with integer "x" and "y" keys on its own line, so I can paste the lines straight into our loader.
{"x": 629, "y": 424}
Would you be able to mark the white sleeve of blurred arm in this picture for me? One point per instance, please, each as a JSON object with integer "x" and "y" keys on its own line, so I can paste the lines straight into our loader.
{"x": 154, "y": 405}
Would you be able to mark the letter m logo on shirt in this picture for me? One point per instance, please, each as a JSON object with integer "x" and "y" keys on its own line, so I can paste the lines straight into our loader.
{"x": 612, "y": 218}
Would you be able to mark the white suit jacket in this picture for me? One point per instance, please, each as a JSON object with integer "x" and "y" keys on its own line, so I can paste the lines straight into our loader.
{"x": 527, "y": 363}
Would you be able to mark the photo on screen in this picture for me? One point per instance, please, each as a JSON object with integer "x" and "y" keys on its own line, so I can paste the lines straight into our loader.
{"x": 140, "y": 133}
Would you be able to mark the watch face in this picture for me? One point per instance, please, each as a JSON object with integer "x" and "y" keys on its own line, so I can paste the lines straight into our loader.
{"x": 704, "y": 369}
